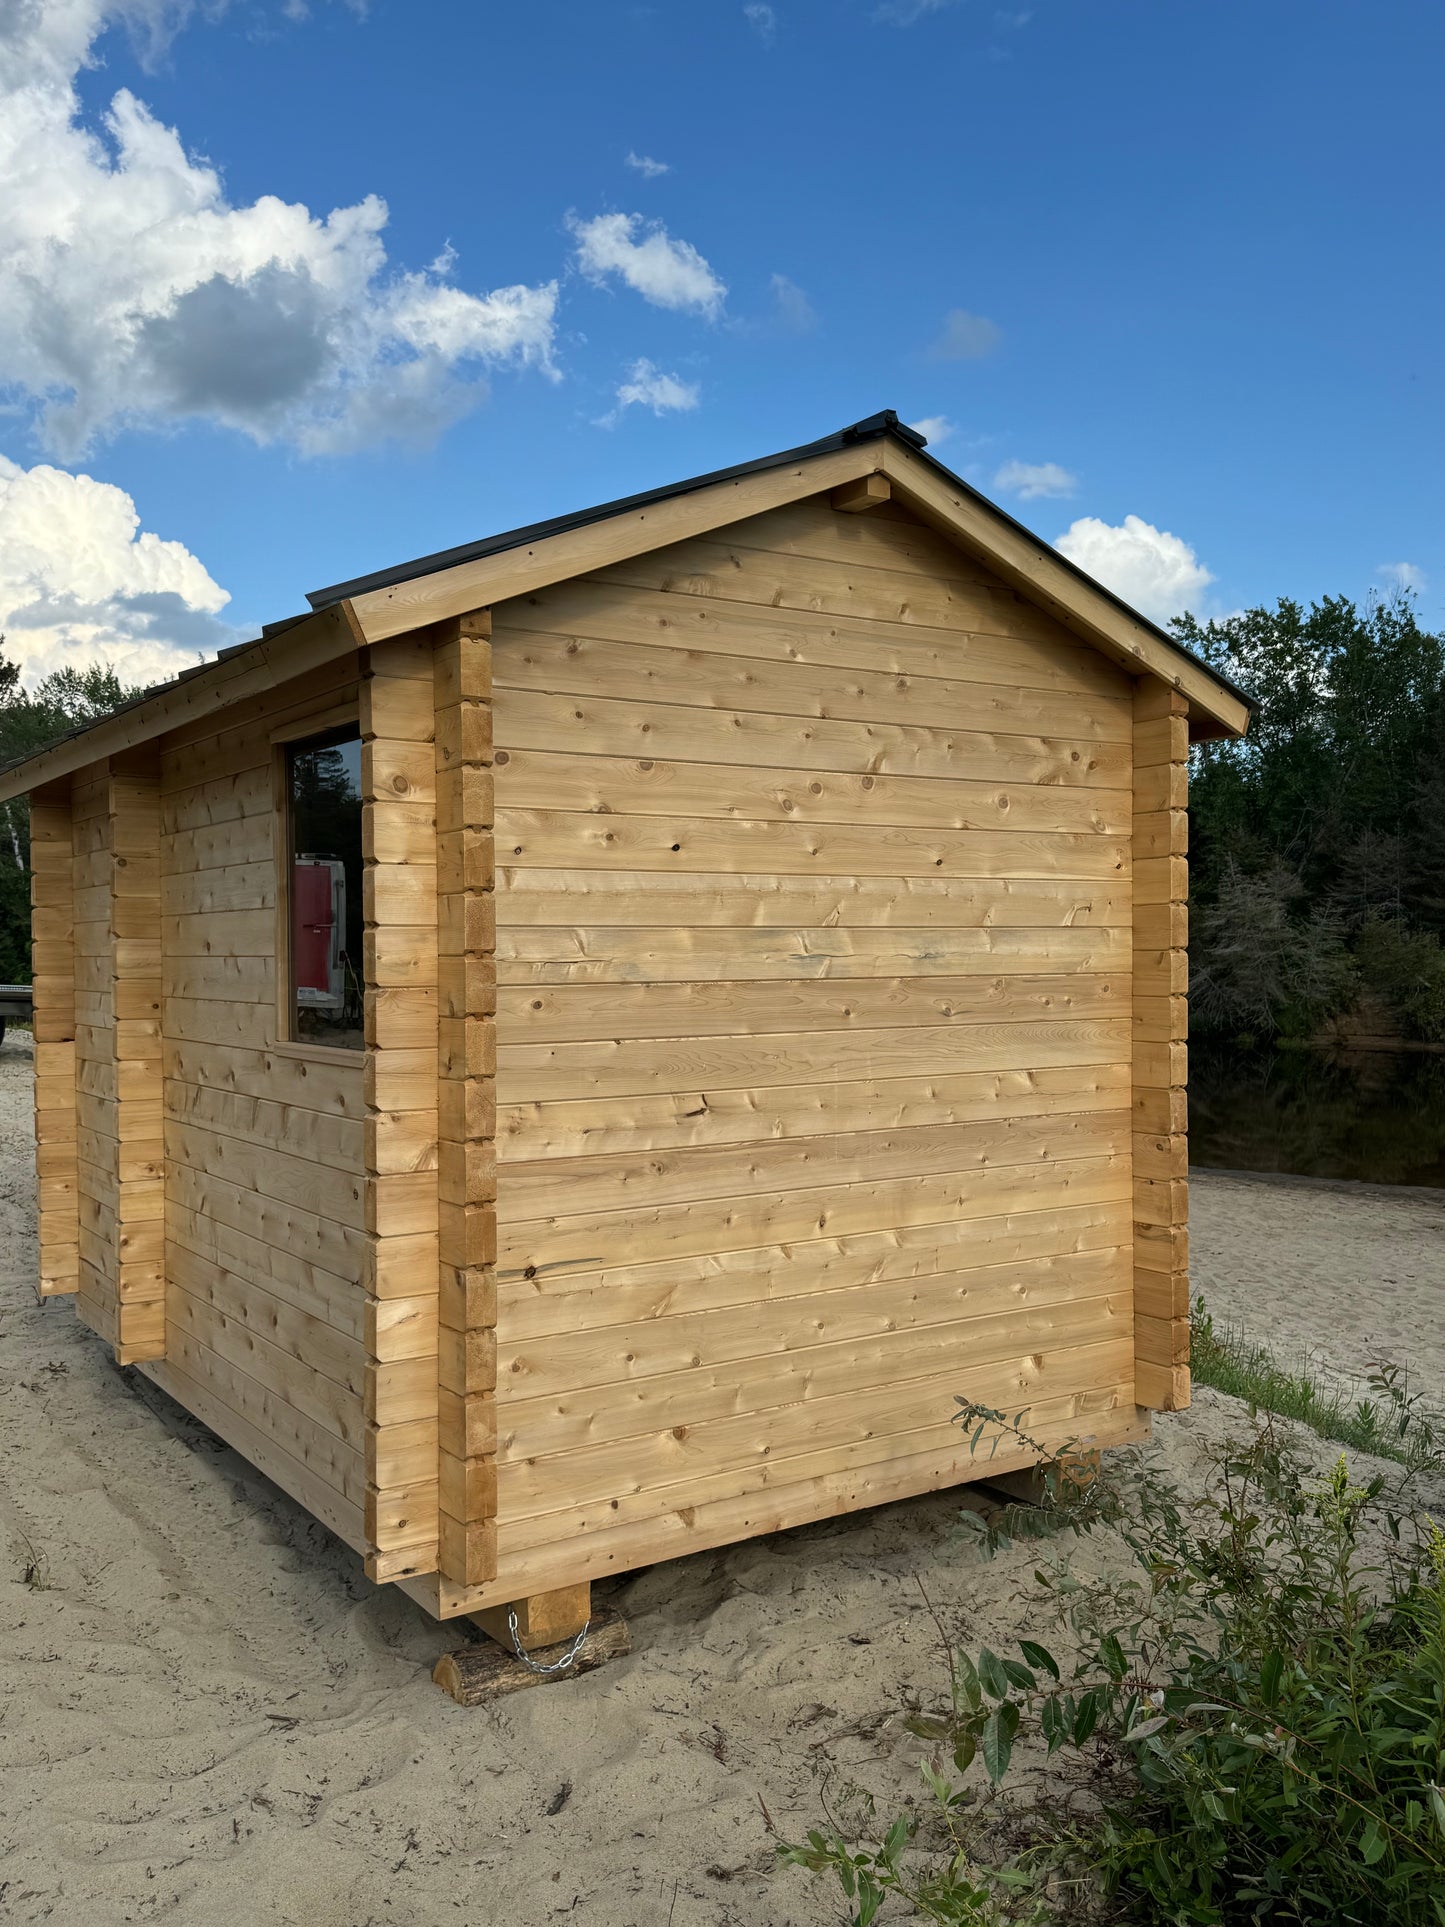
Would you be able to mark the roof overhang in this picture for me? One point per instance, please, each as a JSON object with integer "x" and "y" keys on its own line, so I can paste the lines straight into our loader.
{"x": 375, "y": 608}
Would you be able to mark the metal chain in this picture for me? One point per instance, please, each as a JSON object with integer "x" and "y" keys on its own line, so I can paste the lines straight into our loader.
{"x": 533, "y": 1665}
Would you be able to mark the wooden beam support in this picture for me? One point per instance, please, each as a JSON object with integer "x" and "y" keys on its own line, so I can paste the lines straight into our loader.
{"x": 1160, "y": 1023}
{"x": 399, "y": 848}
{"x": 467, "y": 1111}
{"x": 543, "y": 1618}
{"x": 868, "y": 492}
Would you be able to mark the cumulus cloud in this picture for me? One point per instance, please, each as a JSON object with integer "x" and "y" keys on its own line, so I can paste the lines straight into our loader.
{"x": 1030, "y": 481}
{"x": 763, "y": 21}
{"x": 1157, "y": 573}
{"x": 965, "y": 337}
{"x": 646, "y": 166}
{"x": 934, "y": 429}
{"x": 1406, "y": 578}
{"x": 81, "y": 582}
{"x": 646, "y": 386}
{"x": 133, "y": 291}
{"x": 668, "y": 273}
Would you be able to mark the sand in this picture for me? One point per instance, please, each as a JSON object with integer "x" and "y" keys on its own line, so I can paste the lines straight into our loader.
{"x": 207, "y": 1715}
{"x": 1340, "y": 1274}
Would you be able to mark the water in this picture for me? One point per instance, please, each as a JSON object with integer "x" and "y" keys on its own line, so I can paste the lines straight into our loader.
{"x": 1375, "y": 1115}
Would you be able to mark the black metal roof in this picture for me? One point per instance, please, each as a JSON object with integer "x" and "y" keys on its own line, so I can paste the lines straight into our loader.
{"x": 871, "y": 428}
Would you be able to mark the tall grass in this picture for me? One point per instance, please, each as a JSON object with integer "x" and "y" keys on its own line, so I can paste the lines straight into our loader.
{"x": 1392, "y": 1423}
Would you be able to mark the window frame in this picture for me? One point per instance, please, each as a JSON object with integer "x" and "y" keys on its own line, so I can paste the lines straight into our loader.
{"x": 284, "y": 738}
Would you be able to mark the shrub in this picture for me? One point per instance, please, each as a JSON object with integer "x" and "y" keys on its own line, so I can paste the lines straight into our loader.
{"x": 1249, "y": 1727}
{"x": 1258, "y": 967}
{"x": 1408, "y": 970}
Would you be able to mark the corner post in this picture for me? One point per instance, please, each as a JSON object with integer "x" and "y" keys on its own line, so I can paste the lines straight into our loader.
{"x": 52, "y": 951}
{"x": 399, "y": 887}
{"x": 1160, "y": 1048}
{"x": 466, "y": 1063}
{"x": 135, "y": 968}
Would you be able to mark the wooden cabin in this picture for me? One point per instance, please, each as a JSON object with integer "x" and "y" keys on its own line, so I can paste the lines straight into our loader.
{"x": 579, "y": 1048}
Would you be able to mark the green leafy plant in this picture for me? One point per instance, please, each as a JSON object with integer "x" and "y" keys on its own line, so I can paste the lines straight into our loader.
{"x": 1248, "y": 1726}
{"x": 1394, "y": 1423}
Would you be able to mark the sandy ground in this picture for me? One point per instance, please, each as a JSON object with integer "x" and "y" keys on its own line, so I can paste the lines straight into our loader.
{"x": 207, "y": 1715}
{"x": 1343, "y": 1274}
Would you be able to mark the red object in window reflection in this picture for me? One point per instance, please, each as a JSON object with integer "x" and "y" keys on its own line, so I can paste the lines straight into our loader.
{"x": 318, "y": 927}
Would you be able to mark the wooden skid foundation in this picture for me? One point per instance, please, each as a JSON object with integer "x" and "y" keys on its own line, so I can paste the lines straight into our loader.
{"x": 473, "y": 1675}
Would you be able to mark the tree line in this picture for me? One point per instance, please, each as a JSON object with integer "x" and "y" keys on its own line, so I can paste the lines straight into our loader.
{"x": 29, "y": 719}
{"x": 1317, "y": 842}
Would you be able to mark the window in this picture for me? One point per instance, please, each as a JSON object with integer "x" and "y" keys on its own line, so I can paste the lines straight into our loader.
{"x": 323, "y": 886}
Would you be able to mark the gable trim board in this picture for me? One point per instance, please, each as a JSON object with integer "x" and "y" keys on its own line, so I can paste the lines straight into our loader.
{"x": 456, "y": 582}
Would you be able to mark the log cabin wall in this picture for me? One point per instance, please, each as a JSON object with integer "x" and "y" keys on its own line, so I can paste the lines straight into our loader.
{"x": 399, "y": 843}
{"x": 266, "y": 1244}
{"x": 52, "y": 926}
{"x": 813, "y": 928}
{"x": 96, "y": 1073}
{"x": 1161, "y": 1052}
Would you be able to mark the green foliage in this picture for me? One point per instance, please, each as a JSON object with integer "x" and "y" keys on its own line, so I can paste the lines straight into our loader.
{"x": 1377, "y": 1115}
{"x": 64, "y": 701}
{"x": 1393, "y": 1424}
{"x": 1322, "y": 825}
{"x": 1408, "y": 968}
{"x": 1263, "y": 965}
{"x": 1250, "y": 1726}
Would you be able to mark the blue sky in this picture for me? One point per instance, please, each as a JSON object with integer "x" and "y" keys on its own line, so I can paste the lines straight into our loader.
{"x": 1152, "y": 270}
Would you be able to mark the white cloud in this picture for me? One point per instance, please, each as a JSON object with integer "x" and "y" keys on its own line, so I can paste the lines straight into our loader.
{"x": 80, "y": 582}
{"x": 647, "y": 386}
{"x": 1033, "y": 480}
{"x": 1404, "y": 577}
{"x": 763, "y": 21}
{"x": 646, "y": 166}
{"x": 132, "y": 291}
{"x": 934, "y": 429}
{"x": 903, "y": 13}
{"x": 1157, "y": 573}
{"x": 668, "y": 273}
{"x": 965, "y": 337}
{"x": 794, "y": 312}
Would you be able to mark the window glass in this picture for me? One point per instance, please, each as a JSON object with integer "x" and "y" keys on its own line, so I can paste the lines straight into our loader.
{"x": 323, "y": 821}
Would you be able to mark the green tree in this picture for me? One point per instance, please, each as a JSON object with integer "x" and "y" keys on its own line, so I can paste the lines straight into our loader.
{"x": 1328, "y": 811}
{"x": 67, "y": 700}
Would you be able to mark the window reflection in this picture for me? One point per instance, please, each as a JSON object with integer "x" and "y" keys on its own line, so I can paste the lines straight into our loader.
{"x": 323, "y": 790}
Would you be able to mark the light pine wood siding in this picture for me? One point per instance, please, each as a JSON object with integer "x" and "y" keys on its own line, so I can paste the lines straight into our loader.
{"x": 398, "y": 781}
{"x": 266, "y": 1244}
{"x": 1161, "y": 1051}
{"x": 52, "y": 930}
{"x": 96, "y": 1071}
{"x": 813, "y": 950}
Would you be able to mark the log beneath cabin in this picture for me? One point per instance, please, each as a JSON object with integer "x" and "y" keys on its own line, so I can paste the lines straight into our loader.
{"x": 475, "y": 1674}
{"x": 1076, "y": 1469}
